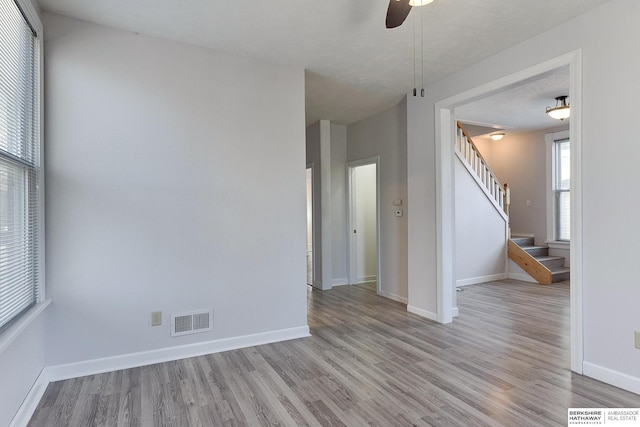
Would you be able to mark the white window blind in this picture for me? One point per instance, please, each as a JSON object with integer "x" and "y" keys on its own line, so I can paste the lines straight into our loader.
{"x": 19, "y": 164}
{"x": 562, "y": 189}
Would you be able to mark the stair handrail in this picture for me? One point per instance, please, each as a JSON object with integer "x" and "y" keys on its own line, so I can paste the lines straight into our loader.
{"x": 500, "y": 193}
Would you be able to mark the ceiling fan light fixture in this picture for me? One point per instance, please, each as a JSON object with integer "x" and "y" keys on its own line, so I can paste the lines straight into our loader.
{"x": 419, "y": 2}
{"x": 497, "y": 136}
{"x": 561, "y": 111}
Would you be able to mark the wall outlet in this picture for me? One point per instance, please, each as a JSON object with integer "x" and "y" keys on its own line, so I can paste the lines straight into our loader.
{"x": 637, "y": 339}
{"x": 156, "y": 318}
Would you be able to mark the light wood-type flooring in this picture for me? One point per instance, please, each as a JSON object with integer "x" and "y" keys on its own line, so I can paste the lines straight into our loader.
{"x": 503, "y": 362}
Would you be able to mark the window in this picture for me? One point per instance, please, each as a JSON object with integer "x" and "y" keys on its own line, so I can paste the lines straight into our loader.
{"x": 562, "y": 189}
{"x": 19, "y": 163}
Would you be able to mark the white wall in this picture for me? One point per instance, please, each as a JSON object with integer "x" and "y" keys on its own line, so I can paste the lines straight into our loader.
{"x": 364, "y": 186}
{"x": 173, "y": 184}
{"x": 480, "y": 232}
{"x": 385, "y": 135}
{"x": 610, "y": 174}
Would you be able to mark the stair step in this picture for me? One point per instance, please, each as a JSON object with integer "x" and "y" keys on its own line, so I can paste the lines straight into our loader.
{"x": 537, "y": 251}
{"x": 522, "y": 240}
{"x": 555, "y": 264}
{"x": 560, "y": 274}
{"x": 551, "y": 262}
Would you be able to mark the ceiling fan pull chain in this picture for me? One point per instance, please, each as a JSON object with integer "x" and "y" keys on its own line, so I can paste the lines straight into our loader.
{"x": 421, "y": 55}
{"x": 415, "y": 90}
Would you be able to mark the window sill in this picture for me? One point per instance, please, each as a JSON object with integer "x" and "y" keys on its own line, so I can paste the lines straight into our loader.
{"x": 14, "y": 331}
{"x": 559, "y": 245}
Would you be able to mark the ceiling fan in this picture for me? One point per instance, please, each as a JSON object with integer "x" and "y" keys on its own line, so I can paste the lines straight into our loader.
{"x": 399, "y": 10}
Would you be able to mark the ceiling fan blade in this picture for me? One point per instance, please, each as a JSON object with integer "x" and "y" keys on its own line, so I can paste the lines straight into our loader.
{"x": 397, "y": 12}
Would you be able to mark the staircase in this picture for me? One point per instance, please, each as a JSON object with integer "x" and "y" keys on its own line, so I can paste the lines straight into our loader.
{"x": 536, "y": 261}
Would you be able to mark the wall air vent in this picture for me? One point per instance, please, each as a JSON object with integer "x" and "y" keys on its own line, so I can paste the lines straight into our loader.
{"x": 192, "y": 322}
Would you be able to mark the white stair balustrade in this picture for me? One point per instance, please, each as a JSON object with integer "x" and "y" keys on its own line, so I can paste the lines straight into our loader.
{"x": 468, "y": 153}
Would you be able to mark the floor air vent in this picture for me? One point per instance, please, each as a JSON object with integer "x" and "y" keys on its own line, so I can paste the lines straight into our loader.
{"x": 193, "y": 322}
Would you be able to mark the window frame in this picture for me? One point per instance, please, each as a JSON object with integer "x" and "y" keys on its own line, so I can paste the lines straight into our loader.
{"x": 23, "y": 319}
{"x": 551, "y": 165}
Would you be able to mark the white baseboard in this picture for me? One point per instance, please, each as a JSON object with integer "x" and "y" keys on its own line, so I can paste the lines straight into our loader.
{"x": 367, "y": 279}
{"x": 455, "y": 312}
{"x": 134, "y": 360}
{"x": 481, "y": 279}
{"x": 612, "y": 377}
{"x": 340, "y": 282}
{"x": 31, "y": 401}
{"x": 522, "y": 277}
{"x": 394, "y": 297}
{"x": 423, "y": 313}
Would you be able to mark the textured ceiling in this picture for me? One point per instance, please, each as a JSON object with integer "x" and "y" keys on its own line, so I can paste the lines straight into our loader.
{"x": 520, "y": 108}
{"x": 354, "y": 66}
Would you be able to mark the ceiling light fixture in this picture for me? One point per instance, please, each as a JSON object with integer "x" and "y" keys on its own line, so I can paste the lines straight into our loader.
{"x": 560, "y": 112}
{"x": 497, "y": 136}
{"x": 419, "y": 2}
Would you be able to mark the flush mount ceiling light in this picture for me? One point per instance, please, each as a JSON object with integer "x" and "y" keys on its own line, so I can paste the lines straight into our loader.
{"x": 561, "y": 111}
{"x": 497, "y": 136}
{"x": 419, "y": 2}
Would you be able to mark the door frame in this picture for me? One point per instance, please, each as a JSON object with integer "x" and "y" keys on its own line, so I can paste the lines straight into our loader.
{"x": 311, "y": 166}
{"x": 351, "y": 249}
{"x": 445, "y": 205}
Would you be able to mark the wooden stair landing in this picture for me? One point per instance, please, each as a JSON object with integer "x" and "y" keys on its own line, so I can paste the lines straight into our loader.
{"x": 536, "y": 261}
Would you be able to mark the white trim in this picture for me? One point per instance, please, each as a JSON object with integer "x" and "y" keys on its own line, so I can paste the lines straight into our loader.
{"x": 455, "y": 312}
{"x": 21, "y": 323}
{"x": 134, "y": 360}
{"x": 394, "y": 297}
{"x": 326, "y": 210}
{"x": 30, "y": 402}
{"x": 481, "y": 279}
{"x": 445, "y": 243}
{"x": 609, "y": 376}
{"x": 575, "y": 254}
{"x": 366, "y": 279}
{"x": 340, "y": 282}
{"x": 311, "y": 166}
{"x": 423, "y": 313}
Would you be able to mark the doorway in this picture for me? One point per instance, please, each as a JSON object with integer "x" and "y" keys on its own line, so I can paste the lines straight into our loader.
{"x": 445, "y": 131}
{"x": 363, "y": 228}
{"x": 310, "y": 262}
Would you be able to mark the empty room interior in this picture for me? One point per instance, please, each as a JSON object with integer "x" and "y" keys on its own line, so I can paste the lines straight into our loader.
{"x": 460, "y": 174}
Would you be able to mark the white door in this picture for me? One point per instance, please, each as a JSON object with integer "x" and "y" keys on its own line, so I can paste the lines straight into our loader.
{"x": 363, "y": 224}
